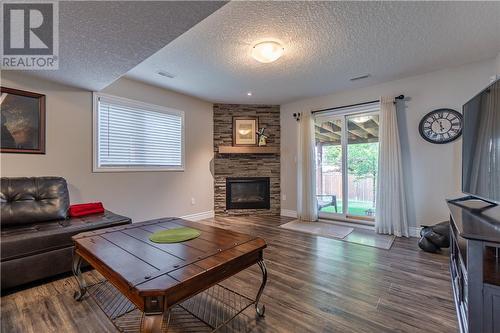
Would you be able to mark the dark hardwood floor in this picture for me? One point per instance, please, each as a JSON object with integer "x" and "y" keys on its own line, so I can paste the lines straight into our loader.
{"x": 315, "y": 285}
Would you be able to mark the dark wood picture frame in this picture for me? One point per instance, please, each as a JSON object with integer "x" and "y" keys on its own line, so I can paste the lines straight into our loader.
{"x": 41, "y": 122}
{"x": 247, "y": 118}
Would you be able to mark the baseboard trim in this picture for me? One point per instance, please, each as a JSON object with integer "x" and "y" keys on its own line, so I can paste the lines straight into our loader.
{"x": 199, "y": 216}
{"x": 288, "y": 213}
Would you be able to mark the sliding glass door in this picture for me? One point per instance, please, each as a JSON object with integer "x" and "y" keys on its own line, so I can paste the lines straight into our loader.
{"x": 329, "y": 168}
{"x": 347, "y": 163}
{"x": 362, "y": 165}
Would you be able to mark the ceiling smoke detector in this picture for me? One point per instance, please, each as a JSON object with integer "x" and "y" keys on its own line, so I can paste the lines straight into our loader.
{"x": 166, "y": 74}
{"x": 360, "y": 77}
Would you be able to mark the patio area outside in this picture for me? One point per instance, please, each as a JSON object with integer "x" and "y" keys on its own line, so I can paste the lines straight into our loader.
{"x": 356, "y": 207}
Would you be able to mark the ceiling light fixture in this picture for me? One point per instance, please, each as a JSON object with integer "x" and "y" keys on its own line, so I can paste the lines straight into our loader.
{"x": 249, "y": 93}
{"x": 268, "y": 51}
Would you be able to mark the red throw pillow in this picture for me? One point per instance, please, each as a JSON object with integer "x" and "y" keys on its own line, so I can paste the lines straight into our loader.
{"x": 86, "y": 209}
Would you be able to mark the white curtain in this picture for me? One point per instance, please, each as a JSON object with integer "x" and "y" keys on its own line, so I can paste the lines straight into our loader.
{"x": 390, "y": 216}
{"x": 307, "y": 209}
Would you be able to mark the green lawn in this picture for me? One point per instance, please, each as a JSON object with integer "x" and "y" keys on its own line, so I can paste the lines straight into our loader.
{"x": 355, "y": 207}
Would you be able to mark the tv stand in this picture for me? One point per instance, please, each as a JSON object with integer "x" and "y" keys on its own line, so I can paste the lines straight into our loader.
{"x": 475, "y": 267}
{"x": 462, "y": 202}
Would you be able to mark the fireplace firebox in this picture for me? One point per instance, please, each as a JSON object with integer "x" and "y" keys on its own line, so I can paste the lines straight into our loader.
{"x": 248, "y": 193}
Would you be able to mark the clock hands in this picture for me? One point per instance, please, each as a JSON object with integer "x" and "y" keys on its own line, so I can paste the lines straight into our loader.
{"x": 441, "y": 125}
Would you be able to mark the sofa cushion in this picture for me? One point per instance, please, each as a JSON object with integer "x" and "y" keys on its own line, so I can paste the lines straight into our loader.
{"x": 21, "y": 241}
{"x": 30, "y": 200}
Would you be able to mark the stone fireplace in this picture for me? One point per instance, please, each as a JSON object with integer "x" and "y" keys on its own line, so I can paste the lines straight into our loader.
{"x": 246, "y": 183}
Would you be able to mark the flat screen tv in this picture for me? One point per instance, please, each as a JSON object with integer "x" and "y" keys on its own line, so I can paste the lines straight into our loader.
{"x": 481, "y": 145}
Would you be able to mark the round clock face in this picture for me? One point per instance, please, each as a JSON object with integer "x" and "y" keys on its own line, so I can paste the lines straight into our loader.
{"x": 441, "y": 126}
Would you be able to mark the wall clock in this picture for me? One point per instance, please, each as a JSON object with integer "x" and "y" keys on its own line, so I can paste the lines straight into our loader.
{"x": 441, "y": 126}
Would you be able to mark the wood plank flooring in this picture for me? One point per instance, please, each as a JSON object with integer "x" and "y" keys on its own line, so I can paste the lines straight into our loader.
{"x": 315, "y": 284}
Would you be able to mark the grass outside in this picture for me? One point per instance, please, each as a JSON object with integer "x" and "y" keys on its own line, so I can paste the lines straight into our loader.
{"x": 355, "y": 207}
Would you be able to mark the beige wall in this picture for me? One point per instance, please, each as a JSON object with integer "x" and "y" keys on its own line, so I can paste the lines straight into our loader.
{"x": 432, "y": 172}
{"x": 139, "y": 195}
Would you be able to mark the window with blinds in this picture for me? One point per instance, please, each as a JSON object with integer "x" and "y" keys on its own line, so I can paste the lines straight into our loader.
{"x": 135, "y": 136}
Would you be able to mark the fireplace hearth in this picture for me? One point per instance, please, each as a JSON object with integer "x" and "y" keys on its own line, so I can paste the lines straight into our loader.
{"x": 247, "y": 193}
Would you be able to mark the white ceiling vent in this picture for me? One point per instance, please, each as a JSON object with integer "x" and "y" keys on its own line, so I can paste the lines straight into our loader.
{"x": 166, "y": 74}
{"x": 360, "y": 77}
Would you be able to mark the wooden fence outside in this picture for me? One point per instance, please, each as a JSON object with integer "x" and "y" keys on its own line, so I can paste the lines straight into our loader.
{"x": 331, "y": 184}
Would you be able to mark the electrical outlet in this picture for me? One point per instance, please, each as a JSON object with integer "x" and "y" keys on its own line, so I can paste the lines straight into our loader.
{"x": 193, "y": 201}
{"x": 283, "y": 197}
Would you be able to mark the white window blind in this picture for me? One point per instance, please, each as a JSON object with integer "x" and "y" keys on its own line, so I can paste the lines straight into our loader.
{"x": 135, "y": 136}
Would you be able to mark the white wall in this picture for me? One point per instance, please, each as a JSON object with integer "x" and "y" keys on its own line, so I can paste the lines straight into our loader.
{"x": 139, "y": 195}
{"x": 432, "y": 172}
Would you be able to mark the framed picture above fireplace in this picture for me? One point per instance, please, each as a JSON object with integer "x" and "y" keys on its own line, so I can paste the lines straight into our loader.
{"x": 245, "y": 131}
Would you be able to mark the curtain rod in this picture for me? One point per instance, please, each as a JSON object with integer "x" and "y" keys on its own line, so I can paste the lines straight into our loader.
{"x": 358, "y": 104}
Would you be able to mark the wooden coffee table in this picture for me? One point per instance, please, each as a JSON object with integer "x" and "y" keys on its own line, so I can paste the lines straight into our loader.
{"x": 156, "y": 277}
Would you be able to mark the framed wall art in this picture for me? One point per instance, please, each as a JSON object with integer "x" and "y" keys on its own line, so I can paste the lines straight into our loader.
{"x": 245, "y": 131}
{"x": 22, "y": 121}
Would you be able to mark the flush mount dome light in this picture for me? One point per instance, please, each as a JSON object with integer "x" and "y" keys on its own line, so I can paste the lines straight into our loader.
{"x": 267, "y": 51}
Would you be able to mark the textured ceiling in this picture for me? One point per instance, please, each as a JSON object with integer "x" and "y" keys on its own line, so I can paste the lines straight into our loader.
{"x": 99, "y": 41}
{"x": 326, "y": 43}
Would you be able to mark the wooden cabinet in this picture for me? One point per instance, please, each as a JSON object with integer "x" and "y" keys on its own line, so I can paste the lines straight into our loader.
{"x": 475, "y": 269}
{"x": 491, "y": 308}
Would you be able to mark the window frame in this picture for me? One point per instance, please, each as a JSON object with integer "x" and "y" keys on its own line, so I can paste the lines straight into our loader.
{"x": 133, "y": 103}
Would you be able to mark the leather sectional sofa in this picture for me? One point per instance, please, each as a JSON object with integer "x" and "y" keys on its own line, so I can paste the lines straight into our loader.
{"x": 36, "y": 231}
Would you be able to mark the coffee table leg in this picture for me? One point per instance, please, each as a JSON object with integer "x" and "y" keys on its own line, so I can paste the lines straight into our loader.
{"x": 77, "y": 263}
{"x": 151, "y": 323}
{"x": 262, "y": 309}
